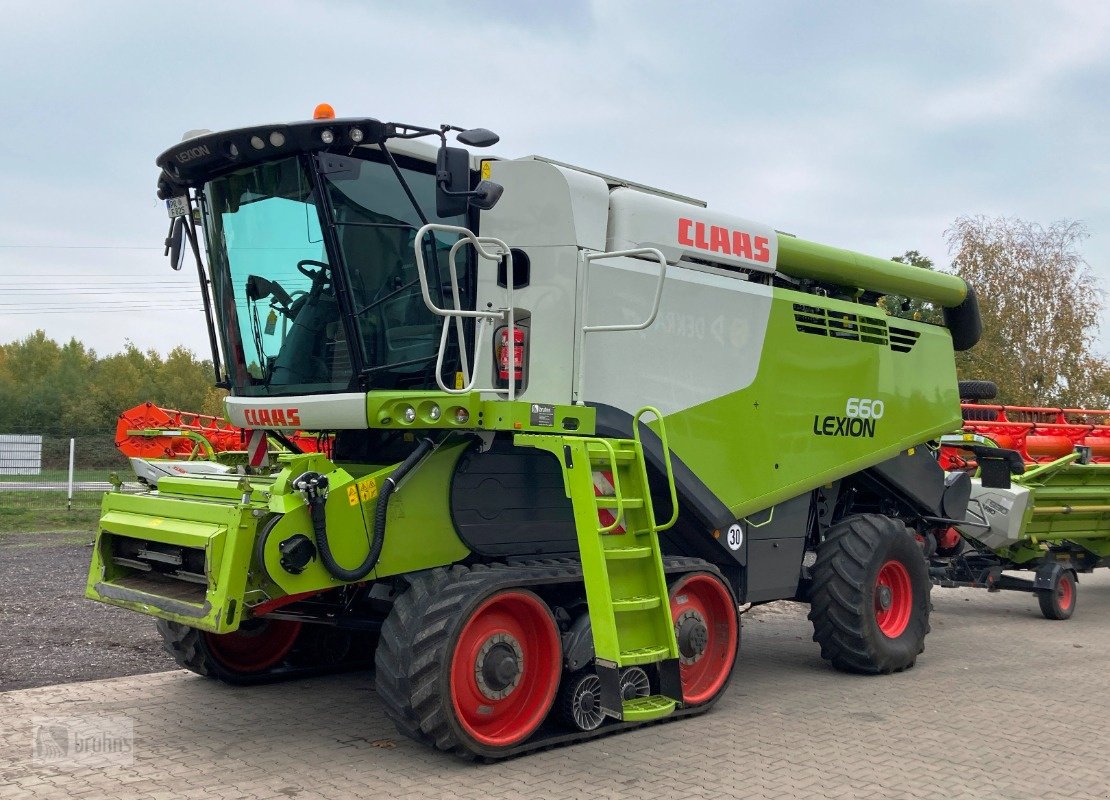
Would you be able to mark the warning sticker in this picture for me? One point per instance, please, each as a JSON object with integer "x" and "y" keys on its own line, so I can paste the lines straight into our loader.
{"x": 543, "y": 415}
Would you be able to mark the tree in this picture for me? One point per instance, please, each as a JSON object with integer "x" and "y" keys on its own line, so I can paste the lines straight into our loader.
{"x": 1040, "y": 304}
{"x": 909, "y": 307}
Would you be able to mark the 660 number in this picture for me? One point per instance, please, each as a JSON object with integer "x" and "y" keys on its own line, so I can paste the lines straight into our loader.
{"x": 864, "y": 408}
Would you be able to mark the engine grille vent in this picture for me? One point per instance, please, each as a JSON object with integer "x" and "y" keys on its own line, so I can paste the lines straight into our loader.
{"x": 853, "y": 328}
{"x": 839, "y": 325}
{"x": 902, "y": 340}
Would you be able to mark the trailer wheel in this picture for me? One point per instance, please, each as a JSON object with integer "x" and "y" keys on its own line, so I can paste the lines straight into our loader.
{"x": 707, "y": 628}
{"x": 870, "y": 596}
{"x": 467, "y": 669}
{"x": 244, "y": 656}
{"x": 1059, "y": 601}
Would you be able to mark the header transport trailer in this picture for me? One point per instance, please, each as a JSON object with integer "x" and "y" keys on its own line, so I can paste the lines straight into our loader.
{"x": 574, "y": 420}
{"x": 1040, "y": 500}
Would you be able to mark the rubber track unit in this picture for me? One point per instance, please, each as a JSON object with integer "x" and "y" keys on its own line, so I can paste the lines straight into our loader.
{"x": 415, "y": 637}
{"x": 841, "y": 605}
{"x": 186, "y": 645}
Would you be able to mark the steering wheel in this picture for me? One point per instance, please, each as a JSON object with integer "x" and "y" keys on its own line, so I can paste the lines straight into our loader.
{"x": 309, "y": 273}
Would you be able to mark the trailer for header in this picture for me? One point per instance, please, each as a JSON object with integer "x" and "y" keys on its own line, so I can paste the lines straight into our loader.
{"x": 1039, "y": 502}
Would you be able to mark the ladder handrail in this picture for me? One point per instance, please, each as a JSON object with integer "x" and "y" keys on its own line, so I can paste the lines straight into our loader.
{"x": 484, "y": 319}
{"x": 618, "y": 512}
{"x": 666, "y": 460}
{"x": 639, "y": 326}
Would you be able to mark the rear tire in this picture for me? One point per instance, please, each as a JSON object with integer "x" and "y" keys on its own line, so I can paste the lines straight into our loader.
{"x": 978, "y": 390}
{"x": 870, "y": 596}
{"x": 1059, "y": 601}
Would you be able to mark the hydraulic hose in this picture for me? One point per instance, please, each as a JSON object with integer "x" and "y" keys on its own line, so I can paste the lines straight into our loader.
{"x": 314, "y": 486}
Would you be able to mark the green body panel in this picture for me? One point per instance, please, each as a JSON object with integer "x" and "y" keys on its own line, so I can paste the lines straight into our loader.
{"x": 770, "y": 441}
{"x": 804, "y": 259}
{"x": 420, "y": 536}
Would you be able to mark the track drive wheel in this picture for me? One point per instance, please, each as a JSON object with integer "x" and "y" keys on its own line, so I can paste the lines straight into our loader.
{"x": 468, "y": 669}
{"x": 1059, "y": 601}
{"x": 869, "y": 601}
{"x": 244, "y": 656}
{"x": 707, "y": 627}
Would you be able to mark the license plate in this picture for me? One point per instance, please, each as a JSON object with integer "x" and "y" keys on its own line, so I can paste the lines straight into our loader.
{"x": 178, "y": 206}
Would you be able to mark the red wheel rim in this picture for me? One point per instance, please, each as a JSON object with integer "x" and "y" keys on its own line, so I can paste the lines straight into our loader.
{"x": 893, "y": 599}
{"x": 706, "y": 628}
{"x": 1065, "y": 593}
{"x": 504, "y": 709}
{"x": 256, "y": 646}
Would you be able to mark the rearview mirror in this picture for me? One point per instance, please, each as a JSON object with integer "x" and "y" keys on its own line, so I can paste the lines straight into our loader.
{"x": 478, "y": 137}
{"x": 452, "y": 181}
{"x": 174, "y": 243}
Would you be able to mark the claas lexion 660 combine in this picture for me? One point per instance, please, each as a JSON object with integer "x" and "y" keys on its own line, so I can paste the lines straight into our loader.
{"x": 574, "y": 422}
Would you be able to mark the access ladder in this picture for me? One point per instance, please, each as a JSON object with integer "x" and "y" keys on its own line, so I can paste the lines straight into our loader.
{"x": 626, "y": 589}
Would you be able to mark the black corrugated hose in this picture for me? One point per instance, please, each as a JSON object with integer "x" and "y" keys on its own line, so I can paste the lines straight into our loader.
{"x": 314, "y": 485}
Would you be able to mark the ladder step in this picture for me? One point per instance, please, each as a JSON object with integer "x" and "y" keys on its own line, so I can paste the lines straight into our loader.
{"x": 608, "y": 501}
{"x": 643, "y": 655}
{"x": 600, "y": 455}
{"x": 618, "y": 553}
{"x": 644, "y": 708}
{"x": 635, "y": 603}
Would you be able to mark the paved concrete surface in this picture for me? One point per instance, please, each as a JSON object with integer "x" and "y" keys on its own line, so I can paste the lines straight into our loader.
{"x": 1003, "y": 704}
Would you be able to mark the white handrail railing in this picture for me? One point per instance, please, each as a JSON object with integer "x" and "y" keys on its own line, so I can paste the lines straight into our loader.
{"x": 485, "y": 319}
{"x": 638, "y": 326}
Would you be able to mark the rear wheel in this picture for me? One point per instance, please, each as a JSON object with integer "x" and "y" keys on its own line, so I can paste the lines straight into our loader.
{"x": 244, "y": 656}
{"x": 870, "y": 596}
{"x": 1059, "y": 601}
{"x": 706, "y": 626}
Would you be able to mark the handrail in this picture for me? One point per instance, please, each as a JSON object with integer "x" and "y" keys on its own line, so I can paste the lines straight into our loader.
{"x": 666, "y": 461}
{"x": 485, "y": 318}
{"x": 589, "y": 259}
{"x": 618, "y": 512}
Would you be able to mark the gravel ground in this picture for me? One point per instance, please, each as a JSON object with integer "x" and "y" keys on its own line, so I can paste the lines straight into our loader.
{"x": 49, "y": 633}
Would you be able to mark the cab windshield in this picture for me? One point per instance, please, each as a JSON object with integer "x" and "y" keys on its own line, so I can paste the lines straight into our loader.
{"x": 287, "y": 327}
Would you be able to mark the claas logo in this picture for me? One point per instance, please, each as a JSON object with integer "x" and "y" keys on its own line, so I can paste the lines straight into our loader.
{"x": 718, "y": 239}
{"x": 273, "y": 417}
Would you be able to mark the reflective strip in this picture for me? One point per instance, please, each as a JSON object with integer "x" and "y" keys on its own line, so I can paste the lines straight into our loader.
{"x": 603, "y": 487}
{"x": 258, "y": 452}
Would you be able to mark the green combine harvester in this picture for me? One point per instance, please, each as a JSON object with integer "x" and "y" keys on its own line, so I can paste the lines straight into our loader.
{"x": 572, "y": 422}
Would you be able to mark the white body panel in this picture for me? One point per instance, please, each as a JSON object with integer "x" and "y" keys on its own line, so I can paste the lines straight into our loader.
{"x": 318, "y": 412}
{"x": 679, "y": 230}
{"x": 705, "y": 343}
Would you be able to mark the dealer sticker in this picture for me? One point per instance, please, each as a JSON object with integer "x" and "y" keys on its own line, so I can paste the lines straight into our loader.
{"x": 543, "y": 415}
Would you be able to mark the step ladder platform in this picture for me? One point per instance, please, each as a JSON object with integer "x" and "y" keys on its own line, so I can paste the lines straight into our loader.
{"x": 599, "y": 454}
{"x": 623, "y": 553}
{"x": 641, "y": 709}
{"x": 608, "y": 501}
{"x": 643, "y": 655}
{"x": 640, "y": 603}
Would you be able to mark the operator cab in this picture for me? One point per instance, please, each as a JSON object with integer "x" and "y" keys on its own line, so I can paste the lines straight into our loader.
{"x": 310, "y": 229}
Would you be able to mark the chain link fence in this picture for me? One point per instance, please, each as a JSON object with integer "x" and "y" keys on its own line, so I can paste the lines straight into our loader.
{"x": 47, "y": 480}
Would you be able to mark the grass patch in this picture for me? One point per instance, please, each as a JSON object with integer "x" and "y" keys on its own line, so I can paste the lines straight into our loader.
{"x": 60, "y": 475}
{"x": 23, "y": 512}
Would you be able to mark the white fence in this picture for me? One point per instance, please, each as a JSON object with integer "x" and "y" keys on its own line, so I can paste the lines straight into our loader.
{"x": 20, "y": 454}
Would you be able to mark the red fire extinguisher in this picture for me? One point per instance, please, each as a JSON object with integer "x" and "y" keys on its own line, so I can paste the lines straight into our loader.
{"x": 503, "y": 354}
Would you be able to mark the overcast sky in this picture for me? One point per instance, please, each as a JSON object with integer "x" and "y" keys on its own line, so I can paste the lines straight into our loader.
{"x": 864, "y": 125}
